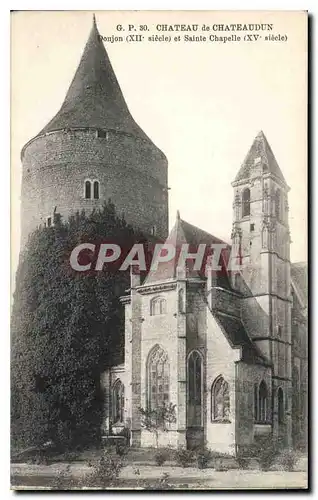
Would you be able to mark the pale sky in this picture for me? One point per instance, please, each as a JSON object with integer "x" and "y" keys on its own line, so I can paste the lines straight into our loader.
{"x": 202, "y": 104}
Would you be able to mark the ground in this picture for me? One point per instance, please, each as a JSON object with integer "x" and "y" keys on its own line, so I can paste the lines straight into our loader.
{"x": 135, "y": 476}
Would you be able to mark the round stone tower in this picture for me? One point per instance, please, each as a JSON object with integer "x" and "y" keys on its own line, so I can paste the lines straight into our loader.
{"x": 91, "y": 151}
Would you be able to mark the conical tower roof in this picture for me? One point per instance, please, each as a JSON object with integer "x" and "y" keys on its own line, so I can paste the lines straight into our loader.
{"x": 259, "y": 149}
{"x": 94, "y": 98}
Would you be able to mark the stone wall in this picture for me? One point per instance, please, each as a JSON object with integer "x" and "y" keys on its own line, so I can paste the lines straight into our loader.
{"x": 131, "y": 172}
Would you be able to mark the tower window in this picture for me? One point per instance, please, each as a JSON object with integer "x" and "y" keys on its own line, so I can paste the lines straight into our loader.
{"x": 49, "y": 221}
{"x": 96, "y": 190}
{"x": 101, "y": 134}
{"x": 91, "y": 190}
{"x": 277, "y": 204}
{"x": 246, "y": 202}
{"x": 252, "y": 227}
{"x": 88, "y": 190}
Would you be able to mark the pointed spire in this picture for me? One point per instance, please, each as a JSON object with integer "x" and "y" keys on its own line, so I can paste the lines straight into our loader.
{"x": 94, "y": 98}
{"x": 260, "y": 149}
{"x": 178, "y": 215}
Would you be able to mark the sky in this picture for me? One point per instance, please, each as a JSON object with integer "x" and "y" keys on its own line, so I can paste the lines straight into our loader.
{"x": 201, "y": 103}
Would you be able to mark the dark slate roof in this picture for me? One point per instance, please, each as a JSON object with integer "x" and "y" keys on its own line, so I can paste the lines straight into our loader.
{"x": 183, "y": 233}
{"x": 299, "y": 274}
{"x": 259, "y": 149}
{"x": 94, "y": 98}
{"x": 237, "y": 335}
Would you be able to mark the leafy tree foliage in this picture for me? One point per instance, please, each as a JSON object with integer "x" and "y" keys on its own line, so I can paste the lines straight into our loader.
{"x": 67, "y": 327}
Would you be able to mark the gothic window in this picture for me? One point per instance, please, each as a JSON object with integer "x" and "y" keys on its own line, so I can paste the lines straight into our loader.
{"x": 195, "y": 389}
{"x": 118, "y": 405}
{"x": 181, "y": 301}
{"x": 49, "y": 221}
{"x": 277, "y": 204}
{"x": 255, "y": 402}
{"x": 220, "y": 400}
{"x": 246, "y": 209}
{"x": 280, "y": 405}
{"x": 157, "y": 306}
{"x": 88, "y": 190}
{"x": 96, "y": 190}
{"x": 262, "y": 403}
{"x": 158, "y": 378}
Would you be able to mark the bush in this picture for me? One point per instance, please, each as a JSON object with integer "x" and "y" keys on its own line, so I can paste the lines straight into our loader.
{"x": 106, "y": 471}
{"x": 183, "y": 457}
{"x": 161, "y": 457}
{"x": 161, "y": 484}
{"x": 242, "y": 462}
{"x": 287, "y": 459}
{"x": 121, "y": 449}
{"x": 267, "y": 456}
{"x": 203, "y": 457}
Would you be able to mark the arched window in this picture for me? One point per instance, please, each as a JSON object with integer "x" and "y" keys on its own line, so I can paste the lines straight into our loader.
{"x": 88, "y": 190}
{"x": 246, "y": 209}
{"x": 195, "y": 389}
{"x": 255, "y": 402}
{"x": 118, "y": 405}
{"x": 181, "y": 304}
{"x": 96, "y": 190}
{"x": 277, "y": 204}
{"x": 220, "y": 400}
{"x": 280, "y": 405}
{"x": 157, "y": 306}
{"x": 262, "y": 402}
{"x": 158, "y": 378}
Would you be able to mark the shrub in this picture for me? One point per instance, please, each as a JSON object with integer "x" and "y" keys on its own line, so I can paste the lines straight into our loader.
{"x": 287, "y": 459}
{"x": 203, "y": 457}
{"x": 105, "y": 471}
{"x": 266, "y": 456}
{"x": 121, "y": 449}
{"x": 242, "y": 462}
{"x": 161, "y": 457}
{"x": 221, "y": 466}
{"x": 183, "y": 457}
{"x": 161, "y": 484}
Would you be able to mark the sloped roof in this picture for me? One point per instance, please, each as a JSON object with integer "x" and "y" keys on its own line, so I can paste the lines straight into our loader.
{"x": 94, "y": 98}
{"x": 185, "y": 233}
{"x": 237, "y": 335}
{"x": 259, "y": 149}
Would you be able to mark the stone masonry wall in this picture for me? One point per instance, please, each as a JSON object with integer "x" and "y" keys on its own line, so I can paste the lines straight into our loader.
{"x": 131, "y": 172}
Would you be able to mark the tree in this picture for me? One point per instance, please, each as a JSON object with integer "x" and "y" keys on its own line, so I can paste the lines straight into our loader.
{"x": 66, "y": 329}
{"x": 158, "y": 419}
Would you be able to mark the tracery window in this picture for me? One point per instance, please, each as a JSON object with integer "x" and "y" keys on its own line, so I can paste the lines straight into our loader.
{"x": 246, "y": 202}
{"x": 157, "y": 306}
{"x": 158, "y": 378}
{"x": 195, "y": 380}
{"x": 262, "y": 397}
{"x": 118, "y": 405}
{"x": 181, "y": 304}
{"x": 277, "y": 202}
{"x": 220, "y": 400}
